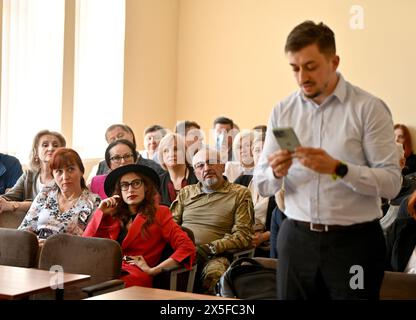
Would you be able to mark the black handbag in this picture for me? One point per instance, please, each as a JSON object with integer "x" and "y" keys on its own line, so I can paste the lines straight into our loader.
{"x": 246, "y": 278}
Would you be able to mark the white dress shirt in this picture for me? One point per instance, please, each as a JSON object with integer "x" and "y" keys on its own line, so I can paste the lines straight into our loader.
{"x": 351, "y": 125}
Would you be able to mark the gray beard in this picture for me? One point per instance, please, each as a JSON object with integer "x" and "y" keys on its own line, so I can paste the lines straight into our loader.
{"x": 208, "y": 183}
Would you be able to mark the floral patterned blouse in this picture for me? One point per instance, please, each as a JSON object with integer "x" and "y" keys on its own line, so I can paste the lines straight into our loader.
{"x": 45, "y": 219}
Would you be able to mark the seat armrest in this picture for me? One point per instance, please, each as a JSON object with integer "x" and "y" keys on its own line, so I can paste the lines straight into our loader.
{"x": 107, "y": 286}
{"x": 172, "y": 268}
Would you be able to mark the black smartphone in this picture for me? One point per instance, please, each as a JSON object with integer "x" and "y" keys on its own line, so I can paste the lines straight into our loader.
{"x": 286, "y": 138}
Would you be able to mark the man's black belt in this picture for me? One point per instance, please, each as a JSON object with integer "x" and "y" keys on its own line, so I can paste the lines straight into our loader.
{"x": 317, "y": 227}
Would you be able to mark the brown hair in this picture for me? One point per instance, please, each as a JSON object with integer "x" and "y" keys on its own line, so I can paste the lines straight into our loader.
{"x": 411, "y": 205}
{"x": 407, "y": 143}
{"x": 185, "y": 125}
{"x": 147, "y": 207}
{"x": 155, "y": 128}
{"x": 308, "y": 33}
{"x": 224, "y": 120}
{"x": 34, "y": 157}
{"x": 65, "y": 157}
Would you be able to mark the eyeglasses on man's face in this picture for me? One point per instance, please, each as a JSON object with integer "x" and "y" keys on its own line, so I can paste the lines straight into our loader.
{"x": 135, "y": 184}
{"x": 210, "y": 162}
{"x": 117, "y": 158}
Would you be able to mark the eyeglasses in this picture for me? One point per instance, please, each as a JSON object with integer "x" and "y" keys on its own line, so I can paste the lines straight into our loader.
{"x": 117, "y": 159}
{"x": 200, "y": 165}
{"x": 135, "y": 184}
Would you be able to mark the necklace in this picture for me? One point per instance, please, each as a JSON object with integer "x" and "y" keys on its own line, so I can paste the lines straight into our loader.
{"x": 66, "y": 204}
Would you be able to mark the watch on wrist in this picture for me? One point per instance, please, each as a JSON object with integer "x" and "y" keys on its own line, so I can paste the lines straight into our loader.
{"x": 212, "y": 249}
{"x": 341, "y": 170}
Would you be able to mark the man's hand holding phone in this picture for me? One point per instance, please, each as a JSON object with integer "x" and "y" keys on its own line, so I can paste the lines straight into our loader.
{"x": 280, "y": 162}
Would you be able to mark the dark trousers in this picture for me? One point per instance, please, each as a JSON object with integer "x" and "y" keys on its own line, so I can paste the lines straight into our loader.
{"x": 341, "y": 264}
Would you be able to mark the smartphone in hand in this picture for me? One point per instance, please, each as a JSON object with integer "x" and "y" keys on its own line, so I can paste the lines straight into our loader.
{"x": 286, "y": 138}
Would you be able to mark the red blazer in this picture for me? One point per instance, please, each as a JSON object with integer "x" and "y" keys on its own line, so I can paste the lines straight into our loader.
{"x": 163, "y": 231}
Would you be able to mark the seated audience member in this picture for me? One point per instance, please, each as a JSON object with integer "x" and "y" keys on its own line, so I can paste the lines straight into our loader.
{"x": 122, "y": 131}
{"x": 113, "y": 133}
{"x": 391, "y": 207}
{"x": 178, "y": 173}
{"x": 10, "y": 171}
{"x": 219, "y": 213}
{"x": 143, "y": 228}
{"x": 118, "y": 153}
{"x": 224, "y": 132}
{"x": 38, "y": 176}
{"x": 260, "y": 132}
{"x": 401, "y": 238}
{"x": 194, "y": 137}
{"x": 67, "y": 206}
{"x": 152, "y": 137}
{"x": 244, "y": 164}
{"x": 263, "y": 207}
{"x": 403, "y": 136}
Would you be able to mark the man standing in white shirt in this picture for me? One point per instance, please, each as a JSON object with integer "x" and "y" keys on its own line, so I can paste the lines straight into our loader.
{"x": 331, "y": 245}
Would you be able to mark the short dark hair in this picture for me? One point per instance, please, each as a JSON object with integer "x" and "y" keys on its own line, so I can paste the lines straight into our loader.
{"x": 308, "y": 33}
{"x": 261, "y": 127}
{"x": 260, "y": 131}
{"x": 155, "y": 128}
{"x": 224, "y": 120}
{"x": 186, "y": 124}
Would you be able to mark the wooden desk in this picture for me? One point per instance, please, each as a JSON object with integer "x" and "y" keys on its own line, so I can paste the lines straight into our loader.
{"x": 16, "y": 282}
{"x": 142, "y": 293}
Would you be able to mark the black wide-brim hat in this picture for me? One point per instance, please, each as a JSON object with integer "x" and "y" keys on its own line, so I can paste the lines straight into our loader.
{"x": 116, "y": 174}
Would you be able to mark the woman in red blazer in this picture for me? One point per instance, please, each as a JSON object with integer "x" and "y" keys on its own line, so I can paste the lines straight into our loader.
{"x": 133, "y": 217}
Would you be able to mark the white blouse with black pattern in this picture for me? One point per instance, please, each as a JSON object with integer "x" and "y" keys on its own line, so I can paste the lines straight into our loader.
{"x": 45, "y": 219}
